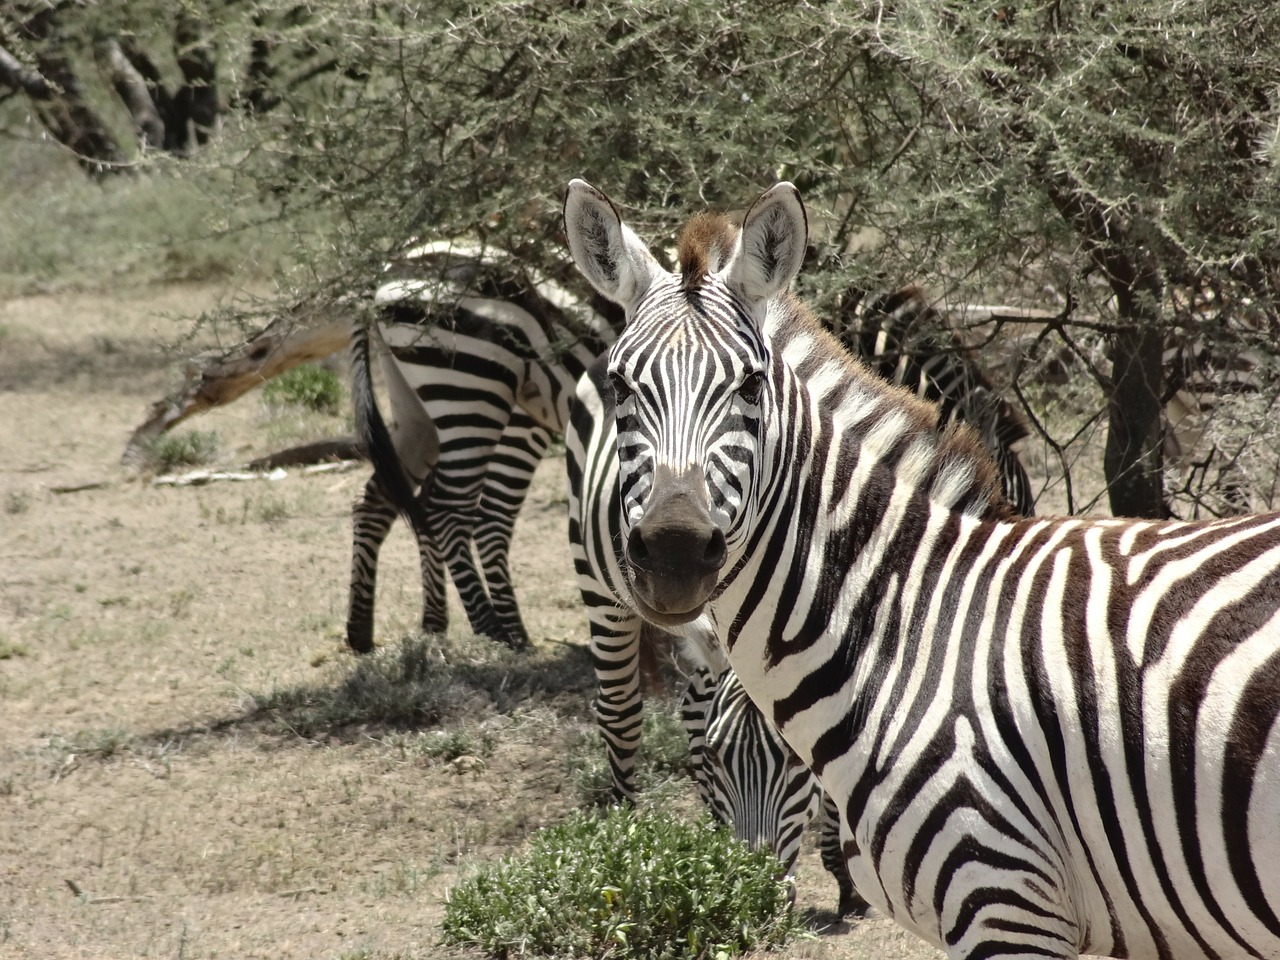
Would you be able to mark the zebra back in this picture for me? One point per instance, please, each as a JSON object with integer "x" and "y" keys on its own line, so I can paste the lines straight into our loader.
{"x": 897, "y": 335}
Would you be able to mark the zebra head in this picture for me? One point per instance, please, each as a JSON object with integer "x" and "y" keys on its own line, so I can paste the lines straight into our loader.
{"x": 754, "y": 782}
{"x": 691, "y": 376}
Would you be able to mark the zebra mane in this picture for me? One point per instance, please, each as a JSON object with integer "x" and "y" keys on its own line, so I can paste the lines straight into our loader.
{"x": 705, "y": 245}
{"x": 909, "y": 322}
{"x": 942, "y": 454}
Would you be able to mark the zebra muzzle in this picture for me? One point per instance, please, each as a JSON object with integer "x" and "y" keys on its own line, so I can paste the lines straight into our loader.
{"x": 676, "y": 551}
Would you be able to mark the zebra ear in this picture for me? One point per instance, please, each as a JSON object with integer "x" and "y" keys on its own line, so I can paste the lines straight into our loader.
{"x": 771, "y": 245}
{"x": 605, "y": 250}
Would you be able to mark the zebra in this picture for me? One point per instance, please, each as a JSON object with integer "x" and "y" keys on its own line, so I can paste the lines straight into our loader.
{"x": 595, "y": 527}
{"x": 492, "y": 358}
{"x": 1044, "y": 736}
{"x": 751, "y": 781}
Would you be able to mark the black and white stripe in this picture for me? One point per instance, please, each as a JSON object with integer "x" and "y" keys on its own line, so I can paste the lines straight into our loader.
{"x": 1045, "y": 737}
{"x": 753, "y": 783}
{"x": 493, "y": 358}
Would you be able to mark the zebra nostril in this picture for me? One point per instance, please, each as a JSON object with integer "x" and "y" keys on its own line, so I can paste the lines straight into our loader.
{"x": 716, "y": 552}
{"x": 637, "y": 552}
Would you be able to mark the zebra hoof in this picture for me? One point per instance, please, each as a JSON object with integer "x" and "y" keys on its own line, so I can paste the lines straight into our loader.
{"x": 518, "y": 642}
{"x": 434, "y": 626}
{"x": 360, "y": 637}
{"x": 852, "y": 907}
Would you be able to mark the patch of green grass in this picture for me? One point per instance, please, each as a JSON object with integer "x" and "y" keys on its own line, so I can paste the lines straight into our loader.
{"x": 625, "y": 884}
{"x": 309, "y": 386}
{"x": 269, "y": 509}
{"x": 17, "y": 501}
{"x": 61, "y": 754}
{"x": 194, "y": 448}
{"x": 11, "y": 649}
{"x": 445, "y": 745}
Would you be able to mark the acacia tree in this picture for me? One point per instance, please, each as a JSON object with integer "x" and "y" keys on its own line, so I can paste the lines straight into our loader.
{"x": 1110, "y": 165}
{"x": 1148, "y": 132}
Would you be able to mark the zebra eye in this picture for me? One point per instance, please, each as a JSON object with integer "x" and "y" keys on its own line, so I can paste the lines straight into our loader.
{"x": 751, "y": 388}
{"x": 621, "y": 392}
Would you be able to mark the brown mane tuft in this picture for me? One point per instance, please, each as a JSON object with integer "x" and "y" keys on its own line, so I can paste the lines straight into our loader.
{"x": 705, "y": 245}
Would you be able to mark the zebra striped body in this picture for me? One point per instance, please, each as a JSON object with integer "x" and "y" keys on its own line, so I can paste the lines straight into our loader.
{"x": 1044, "y": 737}
{"x": 493, "y": 362}
{"x": 595, "y": 522}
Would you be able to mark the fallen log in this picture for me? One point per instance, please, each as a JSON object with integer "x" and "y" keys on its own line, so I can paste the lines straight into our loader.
{"x": 321, "y": 451}
{"x": 216, "y": 380}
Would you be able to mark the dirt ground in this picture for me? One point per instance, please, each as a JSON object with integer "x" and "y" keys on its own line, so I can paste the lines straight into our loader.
{"x": 155, "y": 798}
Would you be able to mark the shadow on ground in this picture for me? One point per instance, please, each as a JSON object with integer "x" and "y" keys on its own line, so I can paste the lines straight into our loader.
{"x": 418, "y": 683}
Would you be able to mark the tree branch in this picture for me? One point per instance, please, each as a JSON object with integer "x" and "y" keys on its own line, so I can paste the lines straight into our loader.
{"x": 14, "y": 73}
{"x": 131, "y": 87}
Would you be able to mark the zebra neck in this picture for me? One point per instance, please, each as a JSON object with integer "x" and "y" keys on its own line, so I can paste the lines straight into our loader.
{"x": 853, "y": 483}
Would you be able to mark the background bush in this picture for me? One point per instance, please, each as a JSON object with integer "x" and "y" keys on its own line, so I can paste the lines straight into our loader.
{"x": 625, "y": 883}
{"x": 309, "y": 386}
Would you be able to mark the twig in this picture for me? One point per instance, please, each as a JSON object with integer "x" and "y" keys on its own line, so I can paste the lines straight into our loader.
{"x": 300, "y": 891}
{"x": 79, "y": 487}
{"x": 84, "y": 896}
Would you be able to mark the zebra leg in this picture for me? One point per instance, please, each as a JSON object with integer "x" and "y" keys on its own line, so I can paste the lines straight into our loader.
{"x": 506, "y": 485}
{"x": 452, "y": 523}
{"x": 371, "y": 518}
{"x": 615, "y": 654}
{"x": 693, "y": 717}
{"x": 829, "y": 849}
{"x": 435, "y": 610}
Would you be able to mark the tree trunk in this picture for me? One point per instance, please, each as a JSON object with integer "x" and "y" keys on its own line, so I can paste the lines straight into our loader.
{"x": 55, "y": 92}
{"x": 1133, "y": 460}
{"x": 74, "y": 123}
{"x": 198, "y": 98}
{"x": 212, "y": 381}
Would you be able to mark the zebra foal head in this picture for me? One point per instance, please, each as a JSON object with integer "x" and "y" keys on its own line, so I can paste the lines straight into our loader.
{"x": 690, "y": 376}
{"x": 754, "y": 783}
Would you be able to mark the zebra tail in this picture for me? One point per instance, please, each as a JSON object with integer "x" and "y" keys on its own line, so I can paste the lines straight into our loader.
{"x": 375, "y": 437}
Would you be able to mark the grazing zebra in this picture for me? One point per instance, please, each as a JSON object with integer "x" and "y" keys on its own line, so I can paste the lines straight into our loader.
{"x": 493, "y": 361}
{"x": 752, "y": 782}
{"x": 1045, "y": 737}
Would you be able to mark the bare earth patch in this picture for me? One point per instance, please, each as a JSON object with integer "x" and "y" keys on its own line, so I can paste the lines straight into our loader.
{"x": 168, "y": 786}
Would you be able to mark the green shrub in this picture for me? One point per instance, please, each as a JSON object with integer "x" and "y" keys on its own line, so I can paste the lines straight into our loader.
{"x": 625, "y": 883}
{"x": 306, "y": 386}
{"x": 192, "y": 449}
